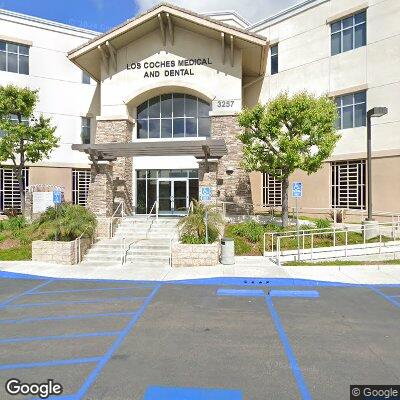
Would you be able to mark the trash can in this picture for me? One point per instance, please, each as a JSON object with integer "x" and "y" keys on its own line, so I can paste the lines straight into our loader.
{"x": 227, "y": 251}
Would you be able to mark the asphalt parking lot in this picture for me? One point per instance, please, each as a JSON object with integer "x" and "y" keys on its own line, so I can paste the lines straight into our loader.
{"x": 216, "y": 340}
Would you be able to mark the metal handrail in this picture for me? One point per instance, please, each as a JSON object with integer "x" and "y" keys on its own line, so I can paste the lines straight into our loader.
{"x": 113, "y": 217}
{"x": 155, "y": 205}
{"x": 77, "y": 241}
{"x": 335, "y": 231}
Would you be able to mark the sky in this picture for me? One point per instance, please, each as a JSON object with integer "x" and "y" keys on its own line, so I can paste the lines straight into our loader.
{"x": 101, "y": 15}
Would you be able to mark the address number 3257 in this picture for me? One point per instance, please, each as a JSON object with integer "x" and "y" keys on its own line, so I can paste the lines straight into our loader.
{"x": 225, "y": 103}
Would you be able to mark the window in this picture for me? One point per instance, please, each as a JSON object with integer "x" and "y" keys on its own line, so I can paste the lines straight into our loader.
{"x": 9, "y": 189}
{"x": 173, "y": 115}
{"x": 349, "y": 33}
{"x": 274, "y": 59}
{"x": 85, "y": 130}
{"x": 85, "y": 78}
{"x": 352, "y": 110}
{"x": 348, "y": 184}
{"x": 271, "y": 191}
{"x": 14, "y": 58}
{"x": 80, "y": 186}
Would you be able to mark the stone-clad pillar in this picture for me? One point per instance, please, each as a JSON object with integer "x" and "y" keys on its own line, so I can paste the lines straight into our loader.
{"x": 208, "y": 177}
{"x": 118, "y": 131}
{"x": 233, "y": 182}
{"x": 100, "y": 196}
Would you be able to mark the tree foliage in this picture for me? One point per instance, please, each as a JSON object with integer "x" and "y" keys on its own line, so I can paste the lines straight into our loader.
{"x": 289, "y": 133}
{"x": 23, "y": 142}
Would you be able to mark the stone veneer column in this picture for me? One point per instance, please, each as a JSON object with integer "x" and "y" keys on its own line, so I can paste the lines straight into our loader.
{"x": 100, "y": 196}
{"x": 208, "y": 177}
{"x": 118, "y": 131}
{"x": 234, "y": 187}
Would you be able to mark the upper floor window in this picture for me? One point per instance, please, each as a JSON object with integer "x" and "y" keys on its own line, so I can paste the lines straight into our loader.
{"x": 349, "y": 33}
{"x": 85, "y": 78}
{"x": 352, "y": 110}
{"x": 14, "y": 57}
{"x": 85, "y": 130}
{"x": 274, "y": 59}
{"x": 173, "y": 115}
{"x": 14, "y": 119}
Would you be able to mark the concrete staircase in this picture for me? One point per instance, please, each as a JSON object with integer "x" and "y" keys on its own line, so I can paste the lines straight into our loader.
{"x": 147, "y": 243}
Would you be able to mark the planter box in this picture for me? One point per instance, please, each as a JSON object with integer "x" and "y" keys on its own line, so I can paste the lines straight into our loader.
{"x": 194, "y": 255}
{"x": 59, "y": 252}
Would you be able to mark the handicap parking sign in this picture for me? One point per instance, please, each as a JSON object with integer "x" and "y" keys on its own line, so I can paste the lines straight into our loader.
{"x": 56, "y": 197}
{"x": 205, "y": 193}
{"x": 297, "y": 189}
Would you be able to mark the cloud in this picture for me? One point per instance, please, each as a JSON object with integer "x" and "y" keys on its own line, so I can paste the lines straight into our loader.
{"x": 253, "y": 10}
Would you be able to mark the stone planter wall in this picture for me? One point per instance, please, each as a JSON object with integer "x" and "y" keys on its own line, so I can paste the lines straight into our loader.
{"x": 194, "y": 255}
{"x": 59, "y": 252}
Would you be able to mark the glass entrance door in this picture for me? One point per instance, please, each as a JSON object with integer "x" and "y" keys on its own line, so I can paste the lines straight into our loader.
{"x": 173, "y": 196}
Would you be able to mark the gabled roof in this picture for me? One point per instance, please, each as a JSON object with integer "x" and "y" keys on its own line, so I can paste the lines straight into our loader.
{"x": 253, "y": 44}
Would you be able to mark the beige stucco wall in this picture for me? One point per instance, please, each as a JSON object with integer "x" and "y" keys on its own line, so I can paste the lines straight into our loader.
{"x": 317, "y": 187}
{"x": 129, "y": 86}
{"x": 53, "y": 176}
{"x": 305, "y": 63}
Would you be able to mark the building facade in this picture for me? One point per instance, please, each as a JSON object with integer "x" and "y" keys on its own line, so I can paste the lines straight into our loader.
{"x": 150, "y": 106}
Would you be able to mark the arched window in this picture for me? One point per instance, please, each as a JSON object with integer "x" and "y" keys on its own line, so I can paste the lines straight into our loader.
{"x": 173, "y": 115}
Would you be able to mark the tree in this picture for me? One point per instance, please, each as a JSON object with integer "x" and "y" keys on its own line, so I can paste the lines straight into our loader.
{"x": 289, "y": 133}
{"x": 24, "y": 137}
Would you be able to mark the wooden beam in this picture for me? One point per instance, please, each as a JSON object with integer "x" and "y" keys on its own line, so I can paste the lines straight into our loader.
{"x": 113, "y": 54}
{"x": 170, "y": 29}
{"x": 162, "y": 28}
{"x": 206, "y": 150}
{"x": 223, "y": 47}
{"x": 232, "y": 52}
{"x": 104, "y": 59}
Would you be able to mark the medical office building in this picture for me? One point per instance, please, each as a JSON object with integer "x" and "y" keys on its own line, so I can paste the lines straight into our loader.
{"x": 152, "y": 103}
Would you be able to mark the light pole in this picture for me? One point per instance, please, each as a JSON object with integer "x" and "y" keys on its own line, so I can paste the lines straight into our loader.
{"x": 373, "y": 112}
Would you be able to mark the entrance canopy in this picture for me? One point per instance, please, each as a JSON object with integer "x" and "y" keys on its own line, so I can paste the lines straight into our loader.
{"x": 201, "y": 149}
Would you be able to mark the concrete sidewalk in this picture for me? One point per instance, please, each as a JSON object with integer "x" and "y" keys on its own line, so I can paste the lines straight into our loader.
{"x": 249, "y": 267}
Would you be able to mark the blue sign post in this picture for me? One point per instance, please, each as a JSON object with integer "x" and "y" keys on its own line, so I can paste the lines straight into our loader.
{"x": 297, "y": 192}
{"x": 56, "y": 197}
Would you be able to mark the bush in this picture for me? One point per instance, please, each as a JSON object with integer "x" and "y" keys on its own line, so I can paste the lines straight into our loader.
{"x": 250, "y": 230}
{"x": 193, "y": 227}
{"x": 323, "y": 224}
{"x": 67, "y": 222}
{"x": 13, "y": 224}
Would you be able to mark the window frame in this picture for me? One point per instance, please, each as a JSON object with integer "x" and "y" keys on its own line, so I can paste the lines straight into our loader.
{"x": 150, "y": 105}
{"x": 20, "y": 55}
{"x": 80, "y": 185}
{"x": 339, "y": 122}
{"x": 344, "y": 29}
{"x": 349, "y": 184}
{"x": 86, "y": 79}
{"x": 87, "y": 127}
{"x": 271, "y": 191}
{"x": 274, "y": 57}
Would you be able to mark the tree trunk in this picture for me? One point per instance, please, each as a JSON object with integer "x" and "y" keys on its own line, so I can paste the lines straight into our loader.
{"x": 285, "y": 201}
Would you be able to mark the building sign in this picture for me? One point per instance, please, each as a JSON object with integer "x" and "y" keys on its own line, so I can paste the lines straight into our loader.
{"x": 41, "y": 201}
{"x": 167, "y": 68}
{"x": 205, "y": 193}
{"x": 297, "y": 189}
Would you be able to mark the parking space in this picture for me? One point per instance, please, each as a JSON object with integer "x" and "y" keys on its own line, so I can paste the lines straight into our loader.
{"x": 236, "y": 339}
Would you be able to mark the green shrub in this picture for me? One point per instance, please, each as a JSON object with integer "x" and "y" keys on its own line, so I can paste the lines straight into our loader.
{"x": 323, "y": 224}
{"x": 13, "y": 224}
{"x": 251, "y": 230}
{"x": 241, "y": 247}
{"x": 193, "y": 227}
{"x": 67, "y": 222}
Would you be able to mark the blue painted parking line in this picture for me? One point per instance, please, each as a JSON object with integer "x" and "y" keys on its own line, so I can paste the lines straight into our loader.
{"x": 176, "y": 393}
{"x": 294, "y": 293}
{"x": 121, "y": 337}
{"x": 58, "y": 337}
{"x": 29, "y": 291}
{"x": 301, "y": 384}
{"x": 93, "y": 289}
{"x": 66, "y": 317}
{"x": 390, "y": 299}
{"x": 67, "y": 302}
{"x": 51, "y": 363}
{"x": 241, "y": 292}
